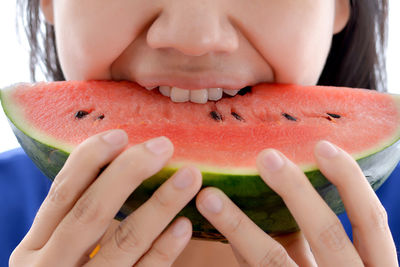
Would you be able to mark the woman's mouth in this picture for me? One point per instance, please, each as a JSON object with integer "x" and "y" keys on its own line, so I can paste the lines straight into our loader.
{"x": 200, "y": 88}
{"x": 199, "y": 96}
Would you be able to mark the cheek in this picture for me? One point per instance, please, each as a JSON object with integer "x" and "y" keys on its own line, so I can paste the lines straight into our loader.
{"x": 302, "y": 56}
{"x": 296, "y": 42}
{"x": 91, "y": 34}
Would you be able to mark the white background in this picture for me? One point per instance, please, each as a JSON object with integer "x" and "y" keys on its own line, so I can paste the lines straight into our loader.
{"x": 14, "y": 59}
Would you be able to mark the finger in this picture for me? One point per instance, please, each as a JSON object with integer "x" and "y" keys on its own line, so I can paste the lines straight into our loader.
{"x": 298, "y": 248}
{"x": 79, "y": 171}
{"x": 256, "y": 247}
{"x": 93, "y": 212}
{"x": 295, "y": 245}
{"x": 368, "y": 218}
{"x": 92, "y": 251}
{"x": 321, "y": 227}
{"x": 241, "y": 261}
{"x": 138, "y": 231}
{"x": 169, "y": 245}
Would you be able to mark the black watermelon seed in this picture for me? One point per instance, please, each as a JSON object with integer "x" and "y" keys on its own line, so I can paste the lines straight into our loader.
{"x": 215, "y": 115}
{"x": 100, "y": 117}
{"x": 336, "y": 116}
{"x": 244, "y": 90}
{"x": 287, "y": 116}
{"x": 330, "y": 118}
{"x": 237, "y": 116}
{"x": 81, "y": 113}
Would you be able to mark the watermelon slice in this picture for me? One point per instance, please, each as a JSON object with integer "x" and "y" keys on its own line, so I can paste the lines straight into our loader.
{"x": 222, "y": 138}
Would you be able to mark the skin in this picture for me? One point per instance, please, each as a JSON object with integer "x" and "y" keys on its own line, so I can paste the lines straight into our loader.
{"x": 197, "y": 44}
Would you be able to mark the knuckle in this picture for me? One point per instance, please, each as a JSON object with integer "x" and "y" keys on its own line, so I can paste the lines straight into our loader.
{"x": 133, "y": 159}
{"x": 81, "y": 150}
{"x": 276, "y": 256}
{"x": 160, "y": 199}
{"x": 59, "y": 194}
{"x": 379, "y": 217}
{"x": 353, "y": 170}
{"x": 89, "y": 151}
{"x": 106, "y": 257}
{"x": 350, "y": 168}
{"x": 333, "y": 236}
{"x": 160, "y": 255}
{"x": 127, "y": 238}
{"x": 87, "y": 209}
{"x": 94, "y": 155}
{"x": 237, "y": 223}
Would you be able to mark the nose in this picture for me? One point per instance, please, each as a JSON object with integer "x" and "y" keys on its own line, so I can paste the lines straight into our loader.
{"x": 194, "y": 28}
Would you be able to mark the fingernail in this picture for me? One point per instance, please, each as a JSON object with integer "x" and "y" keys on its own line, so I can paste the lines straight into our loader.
{"x": 272, "y": 161}
{"x": 183, "y": 178}
{"x": 326, "y": 149}
{"x": 212, "y": 203}
{"x": 158, "y": 146}
{"x": 180, "y": 228}
{"x": 115, "y": 137}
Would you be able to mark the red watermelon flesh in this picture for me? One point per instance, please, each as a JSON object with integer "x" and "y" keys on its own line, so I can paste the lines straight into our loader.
{"x": 222, "y": 135}
{"x": 221, "y": 138}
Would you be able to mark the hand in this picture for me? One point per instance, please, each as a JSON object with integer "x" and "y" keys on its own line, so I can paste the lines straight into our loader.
{"x": 373, "y": 243}
{"x": 81, "y": 205}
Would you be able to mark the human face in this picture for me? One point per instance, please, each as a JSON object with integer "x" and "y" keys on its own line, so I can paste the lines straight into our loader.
{"x": 195, "y": 44}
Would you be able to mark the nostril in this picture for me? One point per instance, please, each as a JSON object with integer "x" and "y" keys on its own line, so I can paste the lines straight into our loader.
{"x": 192, "y": 33}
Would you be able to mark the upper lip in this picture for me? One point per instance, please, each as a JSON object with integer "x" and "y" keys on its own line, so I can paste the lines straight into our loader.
{"x": 194, "y": 82}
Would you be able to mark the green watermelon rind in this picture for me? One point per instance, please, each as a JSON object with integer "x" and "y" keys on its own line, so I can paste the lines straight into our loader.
{"x": 248, "y": 191}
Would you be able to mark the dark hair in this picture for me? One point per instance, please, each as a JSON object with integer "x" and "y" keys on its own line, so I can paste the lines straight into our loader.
{"x": 356, "y": 59}
{"x": 358, "y": 54}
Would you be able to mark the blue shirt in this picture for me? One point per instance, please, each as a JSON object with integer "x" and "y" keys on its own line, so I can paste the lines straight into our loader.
{"x": 23, "y": 188}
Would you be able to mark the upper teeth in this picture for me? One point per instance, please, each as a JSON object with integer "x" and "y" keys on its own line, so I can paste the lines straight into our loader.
{"x": 197, "y": 96}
